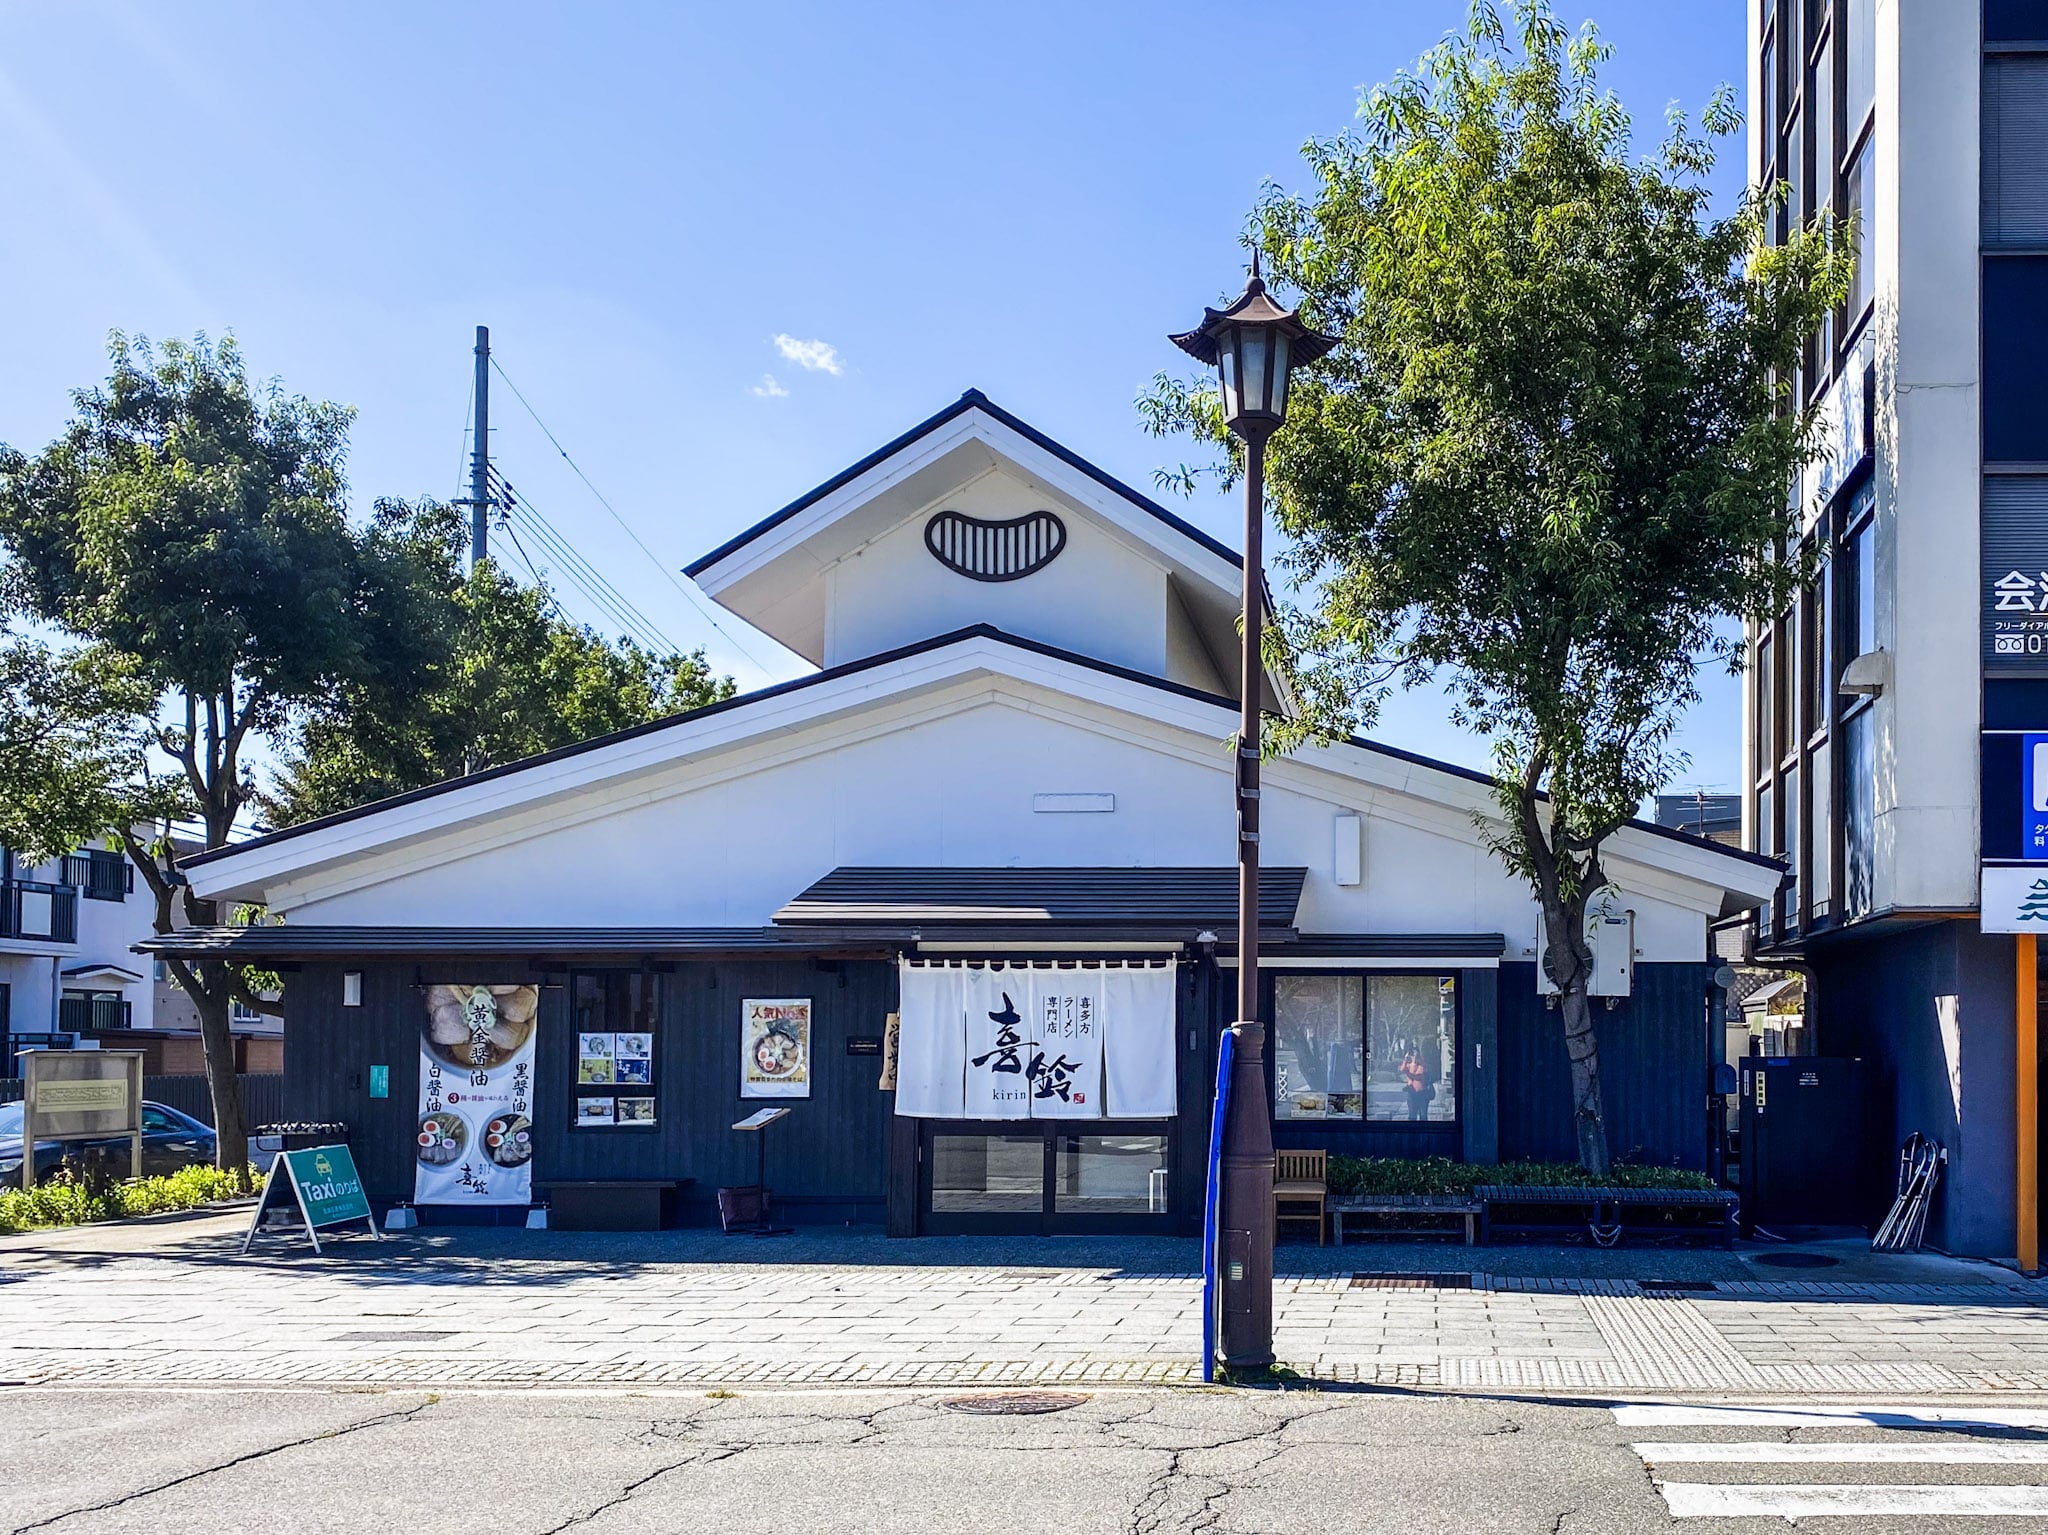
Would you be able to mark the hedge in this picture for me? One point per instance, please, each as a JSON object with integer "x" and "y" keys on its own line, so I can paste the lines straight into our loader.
{"x": 1440, "y": 1175}
{"x": 68, "y": 1201}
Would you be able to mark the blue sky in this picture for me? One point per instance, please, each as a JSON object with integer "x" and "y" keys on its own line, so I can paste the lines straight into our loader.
{"x": 639, "y": 198}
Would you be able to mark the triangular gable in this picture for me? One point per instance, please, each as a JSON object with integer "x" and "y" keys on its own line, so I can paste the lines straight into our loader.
{"x": 861, "y": 563}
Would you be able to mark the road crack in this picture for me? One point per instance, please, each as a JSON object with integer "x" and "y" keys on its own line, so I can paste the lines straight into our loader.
{"x": 400, "y": 1416}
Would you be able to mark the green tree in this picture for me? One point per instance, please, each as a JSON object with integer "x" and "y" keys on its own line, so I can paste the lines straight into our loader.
{"x": 1550, "y": 459}
{"x": 71, "y": 734}
{"x": 516, "y": 678}
{"x": 191, "y": 528}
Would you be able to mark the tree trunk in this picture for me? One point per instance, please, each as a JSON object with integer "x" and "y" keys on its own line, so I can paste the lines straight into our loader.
{"x": 1570, "y": 963}
{"x": 230, "y": 1126}
{"x": 1583, "y": 1049}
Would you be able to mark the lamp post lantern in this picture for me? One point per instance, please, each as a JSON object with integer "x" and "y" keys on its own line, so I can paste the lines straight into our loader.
{"x": 1253, "y": 344}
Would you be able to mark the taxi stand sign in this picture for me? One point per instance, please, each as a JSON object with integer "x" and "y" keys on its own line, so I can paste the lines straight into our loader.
{"x": 2034, "y": 797}
{"x": 324, "y": 1185}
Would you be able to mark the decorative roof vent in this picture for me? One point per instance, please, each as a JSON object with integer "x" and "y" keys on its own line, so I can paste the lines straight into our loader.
{"x": 983, "y": 550}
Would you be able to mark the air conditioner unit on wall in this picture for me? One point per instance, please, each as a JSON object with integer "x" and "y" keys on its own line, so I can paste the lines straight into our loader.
{"x": 1611, "y": 935}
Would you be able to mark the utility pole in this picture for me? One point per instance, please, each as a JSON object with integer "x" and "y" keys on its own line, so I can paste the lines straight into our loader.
{"x": 480, "y": 458}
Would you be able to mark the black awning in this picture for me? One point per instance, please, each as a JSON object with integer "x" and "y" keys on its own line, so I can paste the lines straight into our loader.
{"x": 1034, "y": 899}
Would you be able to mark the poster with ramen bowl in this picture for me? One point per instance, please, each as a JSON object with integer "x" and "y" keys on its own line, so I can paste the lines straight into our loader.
{"x": 775, "y": 1047}
{"x": 474, "y": 1141}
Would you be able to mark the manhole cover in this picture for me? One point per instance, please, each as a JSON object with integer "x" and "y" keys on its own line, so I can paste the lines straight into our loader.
{"x": 1017, "y": 1404}
{"x": 390, "y": 1337}
{"x": 1411, "y": 1281}
{"x": 1796, "y": 1260}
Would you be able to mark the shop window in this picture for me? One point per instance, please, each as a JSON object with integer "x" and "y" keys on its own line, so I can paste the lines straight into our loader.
{"x": 1412, "y": 1050}
{"x": 616, "y": 1017}
{"x": 1859, "y": 812}
{"x": 1380, "y": 1048}
{"x": 1318, "y": 1046}
{"x": 1110, "y": 1174}
{"x": 2015, "y": 392}
{"x": 983, "y": 1174}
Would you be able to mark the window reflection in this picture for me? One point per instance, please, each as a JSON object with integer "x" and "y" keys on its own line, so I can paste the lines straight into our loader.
{"x": 1378, "y": 1048}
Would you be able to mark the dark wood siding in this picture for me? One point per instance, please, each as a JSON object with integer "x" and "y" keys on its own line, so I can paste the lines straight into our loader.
{"x": 1655, "y": 1070}
{"x": 828, "y": 1160}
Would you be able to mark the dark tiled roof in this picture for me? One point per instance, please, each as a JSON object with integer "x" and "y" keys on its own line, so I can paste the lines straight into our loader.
{"x": 1091, "y": 898}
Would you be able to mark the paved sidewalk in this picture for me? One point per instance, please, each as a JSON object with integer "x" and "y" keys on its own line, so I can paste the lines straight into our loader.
{"x": 173, "y": 1304}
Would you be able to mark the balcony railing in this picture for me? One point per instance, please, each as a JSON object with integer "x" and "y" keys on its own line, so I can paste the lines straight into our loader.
{"x": 78, "y": 1015}
{"x": 34, "y": 910}
{"x": 99, "y": 875}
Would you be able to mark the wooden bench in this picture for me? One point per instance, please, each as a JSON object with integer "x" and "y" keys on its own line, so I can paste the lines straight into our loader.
{"x": 1451, "y": 1206}
{"x": 1603, "y": 1210}
{"x": 611, "y": 1204}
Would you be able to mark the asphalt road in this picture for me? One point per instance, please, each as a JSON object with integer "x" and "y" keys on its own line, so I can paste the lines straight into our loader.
{"x": 81, "y": 1462}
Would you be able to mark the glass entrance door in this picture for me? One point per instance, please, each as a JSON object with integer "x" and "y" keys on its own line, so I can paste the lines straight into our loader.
{"x": 1044, "y": 1179}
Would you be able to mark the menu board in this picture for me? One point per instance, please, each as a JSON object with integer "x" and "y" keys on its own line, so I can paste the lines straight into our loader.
{"x": 624, "y": 1062}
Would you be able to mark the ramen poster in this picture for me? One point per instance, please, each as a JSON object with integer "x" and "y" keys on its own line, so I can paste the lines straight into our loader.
{"x": 475, "y": 1140}
{"x": 775, "y": 1047}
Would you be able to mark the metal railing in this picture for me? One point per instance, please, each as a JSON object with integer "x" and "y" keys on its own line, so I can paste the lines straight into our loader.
{"x": 100, "y": 876}
{"x": 33, "y": 909}
{"x": 77, "y": 1015}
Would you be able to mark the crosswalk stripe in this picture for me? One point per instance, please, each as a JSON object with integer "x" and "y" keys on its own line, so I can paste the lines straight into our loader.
{"x": 1787, "y": 1500}
{"x": 1956, "y": 1452}
{"x": 1680, "y": 1415}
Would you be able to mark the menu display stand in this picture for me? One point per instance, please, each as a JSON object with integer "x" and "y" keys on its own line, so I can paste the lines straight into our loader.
{"x": 744, "y": 1211}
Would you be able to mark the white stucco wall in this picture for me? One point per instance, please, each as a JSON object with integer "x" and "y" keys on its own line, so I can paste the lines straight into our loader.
{"x": 1100, "y": 596}
{"x": 949, "y": 779}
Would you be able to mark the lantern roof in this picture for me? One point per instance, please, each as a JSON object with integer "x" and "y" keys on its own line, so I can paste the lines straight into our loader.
{"x": 1254, "y": 307}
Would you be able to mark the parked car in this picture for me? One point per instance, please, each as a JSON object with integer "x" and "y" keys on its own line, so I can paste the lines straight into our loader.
{"x": 170, "y": 1140}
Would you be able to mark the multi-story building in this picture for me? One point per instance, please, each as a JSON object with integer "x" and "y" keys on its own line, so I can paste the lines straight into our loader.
{"x": 67, "y": 962}
{"x": 1887, "y": 708}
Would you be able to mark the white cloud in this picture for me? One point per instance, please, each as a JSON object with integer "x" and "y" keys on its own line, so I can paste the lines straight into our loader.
{"x": 812, "y": 356}
{"x": 769, "y": 388}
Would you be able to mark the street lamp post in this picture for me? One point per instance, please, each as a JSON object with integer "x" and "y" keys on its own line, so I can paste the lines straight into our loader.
{"x": 1253, "y": 345}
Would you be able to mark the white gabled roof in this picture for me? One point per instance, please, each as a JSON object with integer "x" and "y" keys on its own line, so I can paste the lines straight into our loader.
{"x": 773, "y": 574}
{"x": 532, "y": 792}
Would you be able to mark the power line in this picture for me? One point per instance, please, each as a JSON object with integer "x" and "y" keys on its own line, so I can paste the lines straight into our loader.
{"x": 581, "y": 572}
{"x": 695, "y": 597}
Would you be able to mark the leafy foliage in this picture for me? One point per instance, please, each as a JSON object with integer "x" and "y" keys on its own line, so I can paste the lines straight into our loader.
{"x": 71, "y": 732}
{"x": 512, "y": 678}
{"x": 66, "y": 1200}
{"x": 1440, "y": 1175}
{"x": 1550, "y": 458}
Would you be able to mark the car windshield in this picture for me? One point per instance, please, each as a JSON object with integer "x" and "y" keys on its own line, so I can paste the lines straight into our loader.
{"x": 10, "y": 1118}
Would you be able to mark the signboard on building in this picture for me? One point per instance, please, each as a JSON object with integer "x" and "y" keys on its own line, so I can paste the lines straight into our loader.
{"x": 2034, "y": 797}
{"x": 2013, "y": 898}
{"x": 2015, "y": 574}
{"x": 474, "y": 1144}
